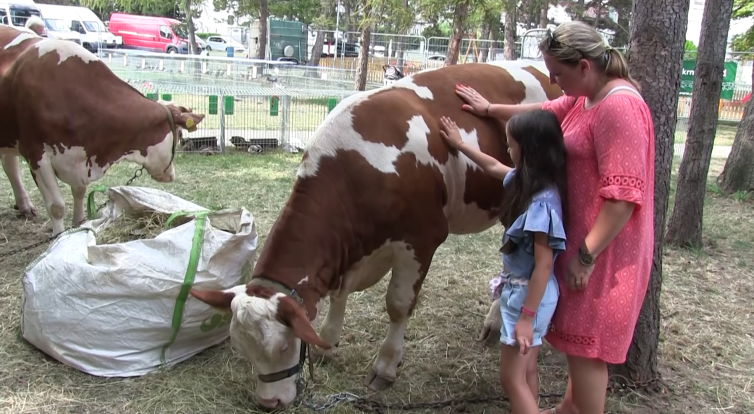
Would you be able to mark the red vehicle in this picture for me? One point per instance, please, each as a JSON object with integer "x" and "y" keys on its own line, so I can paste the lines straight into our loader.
{"x": 150, "y": 33}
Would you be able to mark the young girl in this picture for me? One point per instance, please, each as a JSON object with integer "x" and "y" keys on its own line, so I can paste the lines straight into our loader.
{"x": 534, "y": 236}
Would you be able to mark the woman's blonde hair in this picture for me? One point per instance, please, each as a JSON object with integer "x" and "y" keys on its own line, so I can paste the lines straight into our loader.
{"x": 572, "y": 41}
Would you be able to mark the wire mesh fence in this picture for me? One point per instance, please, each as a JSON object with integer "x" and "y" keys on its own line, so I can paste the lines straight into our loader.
{"x": 253, "y": 104}
{"x": 249, "y": 105}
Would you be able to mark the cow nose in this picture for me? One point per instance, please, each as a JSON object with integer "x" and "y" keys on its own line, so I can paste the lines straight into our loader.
{"x": 273, "y": 403}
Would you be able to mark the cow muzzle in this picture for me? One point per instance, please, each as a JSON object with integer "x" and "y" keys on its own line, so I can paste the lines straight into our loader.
{"x": 166, "y": 176}
{"x": 283, "y": 385}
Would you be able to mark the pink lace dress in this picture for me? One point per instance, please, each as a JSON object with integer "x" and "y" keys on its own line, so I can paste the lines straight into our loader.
{"x": 610, "y": 155}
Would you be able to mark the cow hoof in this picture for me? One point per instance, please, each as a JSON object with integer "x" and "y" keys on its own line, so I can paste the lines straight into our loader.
{"x": 376, "y": 382}
{"x": 320, "y": 355}
{"x": 28, "y": 213}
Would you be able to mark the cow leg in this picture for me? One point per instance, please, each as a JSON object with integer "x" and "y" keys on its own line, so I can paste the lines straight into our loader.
{"x": 23, "y": 203}
{"x": 402, "y": 295}
{"x": 492, "y": 323}
{"x": 53, "y": 198}
{"x": 79, "y": 194}
{"x": 332, "y": 327}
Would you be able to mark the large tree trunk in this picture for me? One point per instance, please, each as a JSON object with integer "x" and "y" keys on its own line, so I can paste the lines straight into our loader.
{"x": 658, "y": 32}
{"x": 193, "y": 47}
{"x": 363, "y": 66}
{"x": 509, "y": 52}
{"x": 543, "y": 14}
{"x": 264, "y": 14}
{"x": 685, "y": 226}
{"x": 319, "y": 43}
{"x": 738, "y": 173}
{"x": 459, "y": 24}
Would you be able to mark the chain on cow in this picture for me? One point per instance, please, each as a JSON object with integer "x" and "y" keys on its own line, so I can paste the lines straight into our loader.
{"x": 3, "y": 256}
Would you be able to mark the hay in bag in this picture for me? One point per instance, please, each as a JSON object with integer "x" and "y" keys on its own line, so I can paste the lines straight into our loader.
{"x": 111, "y": 298}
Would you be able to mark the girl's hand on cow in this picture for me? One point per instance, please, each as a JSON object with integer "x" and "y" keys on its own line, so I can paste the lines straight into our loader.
{"x": 477, "y": 105}
{"x": 449, "y": 132}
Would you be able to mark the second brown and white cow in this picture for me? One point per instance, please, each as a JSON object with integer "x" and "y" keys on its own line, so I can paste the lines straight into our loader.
{"x": 377, "y": 189}
{"x": 72, "y": 118}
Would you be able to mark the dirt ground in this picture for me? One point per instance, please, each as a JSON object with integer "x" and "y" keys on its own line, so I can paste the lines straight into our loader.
{"x": 706, "y": 349}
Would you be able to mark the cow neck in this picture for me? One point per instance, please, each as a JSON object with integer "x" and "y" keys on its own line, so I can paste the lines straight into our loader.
{"x": 298, "y": 255}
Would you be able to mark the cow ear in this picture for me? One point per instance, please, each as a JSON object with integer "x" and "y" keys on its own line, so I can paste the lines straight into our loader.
{"x": 293, "y": 315}
{"x": 215, "y": 298}
{"x": 189, "y": 120}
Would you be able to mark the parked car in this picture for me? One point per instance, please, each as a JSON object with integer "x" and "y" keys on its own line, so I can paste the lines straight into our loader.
{"x": 92, "y": 32}
{"x": 15, "y": 13}
{"x": 222, "y": 43}
{"x": 151, "y": 33}
{"x": 58, "y": 29}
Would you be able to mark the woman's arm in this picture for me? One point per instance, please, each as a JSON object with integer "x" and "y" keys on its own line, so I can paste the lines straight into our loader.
{"x": 491, "y": 166}
{"x": 610, "y": 221}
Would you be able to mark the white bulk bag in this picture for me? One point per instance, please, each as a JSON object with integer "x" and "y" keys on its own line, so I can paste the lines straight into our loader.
{"x": 124, "y": 309}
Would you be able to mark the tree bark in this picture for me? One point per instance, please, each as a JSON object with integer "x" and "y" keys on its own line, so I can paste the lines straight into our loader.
{"x": 459, "y": 25}
{"x": 360, "y": 82}
{"x": 193, "y": 47}
{"x": 509, "y": 53}
{"x": 319, "y": 43}
{"x": 543, "y": 14}
{"x": 264, "y": 13}
{"x": 738, "y": 173}
{"x": 658, "y": 32}
{"x": 685, "y": 226}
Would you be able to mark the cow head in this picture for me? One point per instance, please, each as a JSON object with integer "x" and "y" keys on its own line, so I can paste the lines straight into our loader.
{"x": 267, "y": 328}
{"x": 159, "y": 162}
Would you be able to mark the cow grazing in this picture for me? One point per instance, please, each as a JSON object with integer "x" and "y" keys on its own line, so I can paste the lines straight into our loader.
{"x": 377, "y": 189}
{"x": 70, "y": 117}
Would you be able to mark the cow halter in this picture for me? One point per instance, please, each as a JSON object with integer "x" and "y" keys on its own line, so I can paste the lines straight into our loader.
{"x": 298, "y": 368}
{"x": 174, "y": 130}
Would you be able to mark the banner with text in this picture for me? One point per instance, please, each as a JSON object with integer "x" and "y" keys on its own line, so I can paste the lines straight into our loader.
{"x": 729, "y": 79}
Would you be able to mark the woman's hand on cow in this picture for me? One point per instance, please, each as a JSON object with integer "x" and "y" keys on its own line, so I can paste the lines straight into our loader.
{"x": 578, "y": 274}
{"x": 475, "y": 103}
{"x": 449, "y": 132}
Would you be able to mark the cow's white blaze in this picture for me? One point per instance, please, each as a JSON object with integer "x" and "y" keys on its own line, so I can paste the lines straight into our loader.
{"x": 535, "y": 92}
{"x": 65, "y": 50}
{"x": 336, "y": 132}
{"x": 20, "y": 38}
{"x": 408, "y": 83}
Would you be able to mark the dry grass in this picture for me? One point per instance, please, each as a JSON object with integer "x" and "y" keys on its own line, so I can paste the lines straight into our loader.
{"x": 126, "y": 228}
{"x": 705, "y": 352}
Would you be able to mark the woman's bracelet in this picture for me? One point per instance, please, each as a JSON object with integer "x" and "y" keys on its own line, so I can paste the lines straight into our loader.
{"x": 528, "y": 312}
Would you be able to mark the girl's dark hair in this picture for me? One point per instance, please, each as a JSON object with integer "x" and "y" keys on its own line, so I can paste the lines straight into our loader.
{"x": 542, "y": 162}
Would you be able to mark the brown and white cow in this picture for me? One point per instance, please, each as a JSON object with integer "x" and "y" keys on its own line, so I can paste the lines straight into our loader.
{"x": 71, "y": 118}
{"x": 377, "y": 189}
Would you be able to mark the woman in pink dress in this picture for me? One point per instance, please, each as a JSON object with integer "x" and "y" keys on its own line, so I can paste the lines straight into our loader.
{"x": 610, "y": 158}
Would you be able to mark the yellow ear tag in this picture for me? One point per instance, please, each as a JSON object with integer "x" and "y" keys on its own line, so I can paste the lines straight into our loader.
{"x": 190, "y": 125}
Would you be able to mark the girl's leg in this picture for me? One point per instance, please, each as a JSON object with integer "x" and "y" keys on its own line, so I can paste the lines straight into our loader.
{"x": 532, "y": 376}
{"x": 513, "y": 369}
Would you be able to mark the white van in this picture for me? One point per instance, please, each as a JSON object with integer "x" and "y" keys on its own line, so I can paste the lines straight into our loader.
{"x": 15, "y": 12}
{"x": 94, "y": 34}
{"x": 59, "y": 29}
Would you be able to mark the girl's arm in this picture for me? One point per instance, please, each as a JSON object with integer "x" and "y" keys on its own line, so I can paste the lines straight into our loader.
{"x": 491, "y": 166}
{"x": 542, "y": 269}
